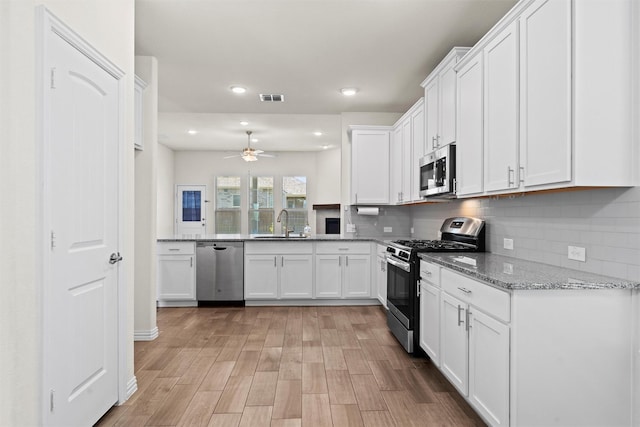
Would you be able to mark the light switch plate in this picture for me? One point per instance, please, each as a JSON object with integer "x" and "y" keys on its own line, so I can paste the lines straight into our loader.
{"x": 508, "y": 244}
{"x": 577, "y": 253}
{"x": 388, "y": 229}
{"x": 351, "y": 228}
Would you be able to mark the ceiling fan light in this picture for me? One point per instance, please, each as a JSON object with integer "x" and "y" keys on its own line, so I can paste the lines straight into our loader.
{"x": 249, "y": 157}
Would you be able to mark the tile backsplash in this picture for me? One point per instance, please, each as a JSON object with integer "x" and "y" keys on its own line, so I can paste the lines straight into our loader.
{"x": 606, "y": 222}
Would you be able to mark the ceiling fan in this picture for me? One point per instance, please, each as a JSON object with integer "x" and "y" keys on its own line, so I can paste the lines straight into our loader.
{"x": 250, "y": 154}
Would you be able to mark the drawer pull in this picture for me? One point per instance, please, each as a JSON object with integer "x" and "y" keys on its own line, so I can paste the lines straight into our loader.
{"x": 427, "y": 273}
{"x": 343, "y": 249}
{"x": 174, "y": 249}
{"x": 465, "y": 290}
{"x": 460, "y": 309}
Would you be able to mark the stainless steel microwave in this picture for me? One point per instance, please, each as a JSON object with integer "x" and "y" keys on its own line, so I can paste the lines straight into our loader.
{"x": 438, "y": 173}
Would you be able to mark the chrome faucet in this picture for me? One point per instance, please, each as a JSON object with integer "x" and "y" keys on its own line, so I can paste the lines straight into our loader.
{"x": 286, "y": 221}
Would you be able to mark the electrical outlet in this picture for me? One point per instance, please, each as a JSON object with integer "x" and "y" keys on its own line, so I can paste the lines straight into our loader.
{"x": 507, "y": 268}
{"x": 508, "y": 244}
{"x": 577, "y": 253}
{"x": 411, "y": 230}
{"x": 388, "y": 229}
{"x": 351, "y": 228}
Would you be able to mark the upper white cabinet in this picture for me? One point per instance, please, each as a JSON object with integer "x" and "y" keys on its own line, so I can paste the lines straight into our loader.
{"x": 500, "y": 110}
{"x": 370, "y": 164}
{"x": 550, "y": 102}
{"x": 469, "y": 146}
{"x": 440, "y": 102}
{"x": 406, "y": 150}
{"x": 139, "y": 87}
{"x": 545, "y": 97}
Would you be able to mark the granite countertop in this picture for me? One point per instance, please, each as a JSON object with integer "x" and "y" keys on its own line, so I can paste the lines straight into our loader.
{"x": 266, "y": 238}
{"x": 517, "y": 274}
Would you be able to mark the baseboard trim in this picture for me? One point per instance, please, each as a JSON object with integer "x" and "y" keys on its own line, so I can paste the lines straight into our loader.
{"x": 149, "y": 335}
{"x": 311, "y": 302}
{"x": 132, "y": 386}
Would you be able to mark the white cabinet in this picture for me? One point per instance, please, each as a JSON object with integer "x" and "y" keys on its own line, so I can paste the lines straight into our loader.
{"x": 469, "y": 144}
{"x": 381, "y": 274}
{"x": 274, "y": 270}
{"x": 545, "y": 93}
{"x": 430, "y": 310}
{"x": 138, "y": 108}
{"x": 176, "y": 274}
{"x": 549, "y": 99}
{"x": 406, "y": 150}
{"x": 370, "y": 164}
{"x": 343, "y": 270}
{"x": 475, "y": 344}
{"x": 500, "y": 111}
{"x": 440, "y": 102}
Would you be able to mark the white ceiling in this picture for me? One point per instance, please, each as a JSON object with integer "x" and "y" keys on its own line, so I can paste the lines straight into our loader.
{"x": 304, "y": 49}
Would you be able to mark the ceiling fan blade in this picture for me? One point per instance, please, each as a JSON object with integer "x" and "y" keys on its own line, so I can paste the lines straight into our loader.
{"x": 267, "y": 155}
{"x": 258, "y": 151}
{"x": 230, "y": 157}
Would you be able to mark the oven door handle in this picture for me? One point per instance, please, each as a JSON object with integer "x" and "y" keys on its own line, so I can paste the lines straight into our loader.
{"x": 400, "y": 264}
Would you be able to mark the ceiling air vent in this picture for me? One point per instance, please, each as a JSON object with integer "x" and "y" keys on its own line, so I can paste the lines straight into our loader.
{"x": 264, "y": 97}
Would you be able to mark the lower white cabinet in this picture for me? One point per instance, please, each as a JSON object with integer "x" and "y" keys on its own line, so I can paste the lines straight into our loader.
{"x": 343, "y": 270}
{"x": 278, "y": 270}
{"x": 176, "y": 273}
{"x": 381, "y": 274}
{"x": 430, "y": 321}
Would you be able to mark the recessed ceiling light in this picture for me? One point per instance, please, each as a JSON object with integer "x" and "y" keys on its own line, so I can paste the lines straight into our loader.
{"x": 324, "y": 147}
{"x": 192, "y": 131}
{"x": 255, "y": 140}
{"x": 238, "y": 89}
{"x": 348, "y": 91}
{"x": 317, "y": 133}
{"x": 244, "y": 123}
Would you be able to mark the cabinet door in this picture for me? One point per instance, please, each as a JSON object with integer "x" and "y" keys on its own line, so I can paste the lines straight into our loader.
{"x": 489, "y": 367}
{"x": 407, "y": 163}
{"x": 296, "y": 276}
{"x": 328, "y": 276}
{"x": 417, "y": 146}
{"x": 370, "y": 167}
{"x": 260, "y": 277}
{"x": 176, "y": 277}
{"x": 448, "y": 104}
{"x": 430, "y": 321}
{"x": 500, "y": 111}
{"x": 396, "y": 165}
{"x": 454, "y": 343}
{"x": 431, "y": 105}
{"x": 469, "y": 150}
{"x": 381, "y": 280}
{"x": 545, "y": 93}
{"x": 357, "y": 276}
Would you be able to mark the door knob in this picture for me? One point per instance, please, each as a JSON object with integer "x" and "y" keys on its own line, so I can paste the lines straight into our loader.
{"x": 115, "y": 257}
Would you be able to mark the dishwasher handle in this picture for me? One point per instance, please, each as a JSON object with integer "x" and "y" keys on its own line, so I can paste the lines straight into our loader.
{"x": 217, "y": 248}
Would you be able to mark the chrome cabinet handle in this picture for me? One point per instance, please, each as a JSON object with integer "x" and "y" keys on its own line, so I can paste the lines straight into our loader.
{"x": 521, "y": 174}
{"x": 115, "y": 257}
{"x": 465, "y": 290}
{"x": 460, "y": 308}
{"x": 509, "y": 176}
{"x": 468, "y": 320}
{"x": 347, "y": 260}
{"x": 191, "y": 262}
{"x": 274, "y": 262}
{"x": 427, "y": 273}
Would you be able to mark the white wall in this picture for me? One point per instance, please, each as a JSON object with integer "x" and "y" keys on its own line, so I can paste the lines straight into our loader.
{"x": 146, "y": 205}
{"x": 201, "y": 167}
{"x": 328, "y": 166}
{"x": 166, "y": 188}
{"x": 109, "y": 26}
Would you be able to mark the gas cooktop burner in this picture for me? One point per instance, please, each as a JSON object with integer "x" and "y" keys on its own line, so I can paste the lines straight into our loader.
{"x": 435, "y": 245}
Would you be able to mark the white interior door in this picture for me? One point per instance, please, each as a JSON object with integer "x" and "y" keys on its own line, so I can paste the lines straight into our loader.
{"x": 81, "y": 175}
{"x": 190, "y": 209}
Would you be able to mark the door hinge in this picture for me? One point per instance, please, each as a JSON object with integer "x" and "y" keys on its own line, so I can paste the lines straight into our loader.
{"x": 53, "y": 78}
{"x": 53, "y": 239}
{"x": 52, "y": 400}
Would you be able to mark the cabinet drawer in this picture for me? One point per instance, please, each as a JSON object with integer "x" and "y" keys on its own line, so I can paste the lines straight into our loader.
{"x": 430, "y": 273}
{"x": 278, "y": 248}
{"x": 343, "y": 248}
{"x": 491, "y": 300}
{"x": 176, "y": 248}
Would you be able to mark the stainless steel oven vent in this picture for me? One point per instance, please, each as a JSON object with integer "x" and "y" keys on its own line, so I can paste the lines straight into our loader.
{"x": 267, "y": 97}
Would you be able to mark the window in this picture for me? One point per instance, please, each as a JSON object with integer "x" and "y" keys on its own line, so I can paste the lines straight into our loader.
{"x": 294, "y": 199}
{"x": 191, "y": 205}
{"x": 228, "y": 201}
{"x": 261, "y": 204}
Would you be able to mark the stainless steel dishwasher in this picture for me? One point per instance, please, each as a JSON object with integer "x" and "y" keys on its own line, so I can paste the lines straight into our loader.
{"x": 219, "y": 272}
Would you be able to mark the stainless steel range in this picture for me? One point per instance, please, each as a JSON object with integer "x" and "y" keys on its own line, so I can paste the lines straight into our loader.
{"x": 458, "y": 234}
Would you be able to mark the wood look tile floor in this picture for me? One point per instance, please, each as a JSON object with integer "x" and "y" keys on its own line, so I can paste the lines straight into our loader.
{"x": 284, "y": 367}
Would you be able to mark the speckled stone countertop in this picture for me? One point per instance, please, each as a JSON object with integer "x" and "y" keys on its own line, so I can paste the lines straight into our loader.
{"x": 267, "y": 238}
{"x": 516, "y": 274}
